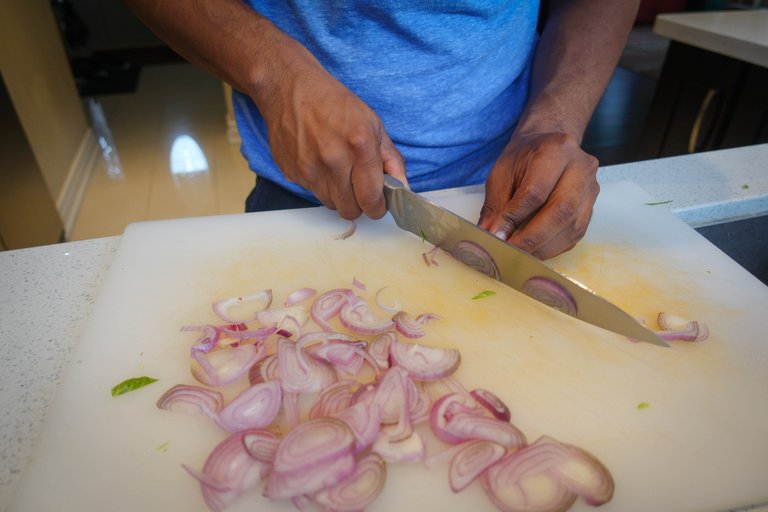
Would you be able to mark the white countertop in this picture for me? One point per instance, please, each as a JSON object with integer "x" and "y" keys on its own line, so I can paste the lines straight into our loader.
{"x": 742, "y": 35}
{"x": 47, "y": 293}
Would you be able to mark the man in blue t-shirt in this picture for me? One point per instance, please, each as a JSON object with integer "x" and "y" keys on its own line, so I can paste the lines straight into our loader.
{"x": 330, "y": 94}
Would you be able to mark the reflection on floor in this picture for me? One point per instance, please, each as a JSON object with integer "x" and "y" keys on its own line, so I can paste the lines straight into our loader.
{"x": 172, "y": 158}
{"x": 171, "y": 152}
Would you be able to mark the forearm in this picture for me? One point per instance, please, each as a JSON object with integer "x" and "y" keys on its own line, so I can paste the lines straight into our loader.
{"x": 226, "y": 38}
{"x": 577, "y": 53}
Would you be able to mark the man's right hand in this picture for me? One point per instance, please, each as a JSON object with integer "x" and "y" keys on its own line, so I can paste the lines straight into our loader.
{"x": 326, "y": 139}
{"x": 322, "y": 136}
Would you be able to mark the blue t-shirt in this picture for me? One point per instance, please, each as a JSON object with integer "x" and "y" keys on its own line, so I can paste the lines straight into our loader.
{"x": 448, "y": 79}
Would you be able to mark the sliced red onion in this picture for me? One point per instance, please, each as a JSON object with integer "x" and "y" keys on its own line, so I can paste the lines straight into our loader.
{"x": 261, "y": 445}
{"x": 228, "y": 472}
{"x": 191, "y": 400}
{"x": 430, "y": 257}
{"x": 410, "y": 449}
{"x": 291, "y": 409}
{"x": 225, "y": 366}
{"x": 299, "y": 295}
{"x": 472, "y": 426}
{"x": 207, "y": 341}
{"x": 426, "y": 317}
{"x": 394, "y": 308}
{"x": 407, "y": 325}
{"x": 328, "y": 305}
{"x": 289, "y": 326}
{"x": 393, "y": 395}
{"x": 300, "y": 373}
{"x": 357, "y": 491}
{"x": 274, "y": 317}
{"x": 255, "y": 407}
{"x": 421, "y": 405}
{"x": 357, "y": 316}
{"x": 263, "y": 370}
{"x": 379, "y": 348}
{"x": 579, "y": 471}
{"x": 357, "y": 284}
{"x": 492, "y": 402}
{"x": 472, "y": 255}
{"x": 424, "y": 363}
{"x": 316, "y": 454}
{"x": 520, "y": 482}
{"x": 678, "y": 328}
{"x": 365, "y": 422}
{"x": 550, "y": 293}
{"x": 333, "y": 399}
{"x": 470, "y": 462}
{"x": 346, "y": 357}
{"x": 349, "y": 231}
{"x": 259, "y": 301}
{"x": 443, "y": 410}
{"x": 245, "y": 334}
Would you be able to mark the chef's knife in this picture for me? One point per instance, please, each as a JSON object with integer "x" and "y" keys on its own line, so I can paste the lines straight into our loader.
{"x": 507, "y": 263}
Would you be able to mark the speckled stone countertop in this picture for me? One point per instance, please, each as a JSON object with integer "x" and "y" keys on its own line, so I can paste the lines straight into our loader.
{"x": 47, "y": 293}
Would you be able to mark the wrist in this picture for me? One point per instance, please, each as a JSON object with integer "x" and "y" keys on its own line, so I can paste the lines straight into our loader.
{"x": 548, "y": 115}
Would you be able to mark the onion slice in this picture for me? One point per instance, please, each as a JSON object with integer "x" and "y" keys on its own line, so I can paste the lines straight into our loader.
{"x": 358, "y": 490}
{"x": 678, "y": 328}
{"x": 259, "y": 301}
{"x": 424, "y": 363}
{"x": 255, "y": 407}
{"x": 407, "y": 325}
{"x": 298, "y": 296}
{"x": 492, "y": 402}
{"x": 314, "y": 455}
{"x": 228, "y": 472}
{"x": 550, "y": 293}
{"x": 261, "y": 445}
{"x": 191, "y": 400}
{"x": 472, "y": 255}
{"x": 225, "y": 365}
{"x": 469, "y": 462}
{"x": 328, "y": 305}
{"x": 357, "y": 316}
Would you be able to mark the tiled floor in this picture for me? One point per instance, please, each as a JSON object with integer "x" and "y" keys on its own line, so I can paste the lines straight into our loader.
{"x": 171, "y": 101}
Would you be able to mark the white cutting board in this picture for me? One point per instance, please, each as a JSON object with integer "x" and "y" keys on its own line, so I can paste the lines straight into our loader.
{"x": 702, "y": 445}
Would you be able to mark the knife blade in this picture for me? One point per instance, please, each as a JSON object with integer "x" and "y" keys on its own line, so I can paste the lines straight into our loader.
{"x": 510, "y": 265}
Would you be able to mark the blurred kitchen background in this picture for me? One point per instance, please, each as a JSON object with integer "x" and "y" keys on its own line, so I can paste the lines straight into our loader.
{"x": 103, "y": 125}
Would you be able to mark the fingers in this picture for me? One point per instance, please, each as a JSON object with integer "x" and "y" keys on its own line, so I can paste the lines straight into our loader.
{"x": 557, "y": 228}
{"x": 540, "y": 193}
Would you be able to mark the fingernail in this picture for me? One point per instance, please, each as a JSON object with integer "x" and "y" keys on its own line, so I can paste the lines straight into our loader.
{"x": 500, "y": 235}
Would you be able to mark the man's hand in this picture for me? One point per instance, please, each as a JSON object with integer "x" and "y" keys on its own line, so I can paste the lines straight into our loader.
{"x": 540, "y": 192}
{"x": 322, "y": 136}
{"x": 326, "y": 139}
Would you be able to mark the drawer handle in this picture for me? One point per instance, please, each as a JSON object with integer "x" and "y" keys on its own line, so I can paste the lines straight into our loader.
{"x": 705, "y": 104}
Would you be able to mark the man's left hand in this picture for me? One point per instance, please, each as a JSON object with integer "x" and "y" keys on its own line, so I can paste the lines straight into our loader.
{"x": 540, "y": 193}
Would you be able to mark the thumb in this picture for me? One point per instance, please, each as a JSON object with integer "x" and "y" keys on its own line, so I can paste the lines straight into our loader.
{"x": 492, "y": 218}
{"x": 393, "y": 161}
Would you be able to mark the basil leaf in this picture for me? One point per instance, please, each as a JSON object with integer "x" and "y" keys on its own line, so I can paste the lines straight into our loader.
{"x": 484, "y": 294}
{"x": 643, "y": 405}
{"x": 132, "y": 385}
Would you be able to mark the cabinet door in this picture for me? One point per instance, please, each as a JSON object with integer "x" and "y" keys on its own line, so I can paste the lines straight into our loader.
{"x": 693, "y": 102}
{"x": 749, "y": 122}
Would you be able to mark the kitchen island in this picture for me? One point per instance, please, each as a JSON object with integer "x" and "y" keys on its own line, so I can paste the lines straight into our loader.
{"x": 46, "y": 293}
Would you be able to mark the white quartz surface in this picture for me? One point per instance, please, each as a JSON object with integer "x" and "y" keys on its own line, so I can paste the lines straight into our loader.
{"x": 47, "y": 293}
{"x": 705, "y": 188}
{"x": 742, "y": 35}
{"x": 46, "y": 296}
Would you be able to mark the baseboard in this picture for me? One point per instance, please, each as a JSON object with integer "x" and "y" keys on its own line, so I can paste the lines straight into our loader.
{"x": 71, "y": 196}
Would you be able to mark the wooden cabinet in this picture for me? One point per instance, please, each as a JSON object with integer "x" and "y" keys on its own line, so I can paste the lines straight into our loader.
{"x": 705, "y": 101}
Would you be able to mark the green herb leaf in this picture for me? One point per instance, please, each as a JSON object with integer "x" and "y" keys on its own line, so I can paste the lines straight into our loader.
{"x": 659, "y": 202}
{"x": 163, "y": 447}
{"x": 484, "y": 294}
{"x": 643, "y": 405}
{"x": 745, "y": 186}
{"x": 423, "y": 236}
{"x": 132, "y": 385}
